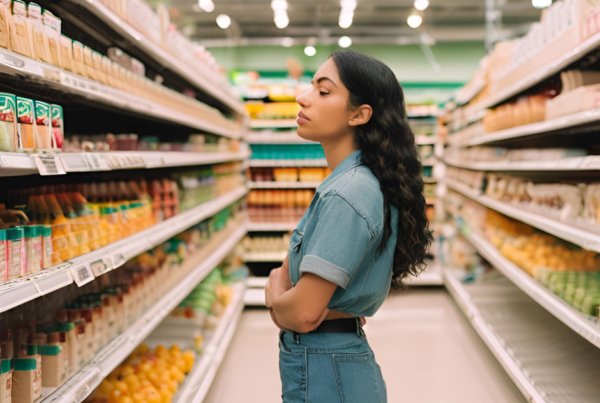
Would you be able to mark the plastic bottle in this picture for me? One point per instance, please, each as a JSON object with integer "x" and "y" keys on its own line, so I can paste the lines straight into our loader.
{"x": 8, "y": 111}
{"x": 3, "y": 255}
{"x": 15, "y": 252}
{"x": 47, "y": 251}
{"x": 36, "y": 256}
{"x": 28, "y": 249}
{"x": 26, "y": 125}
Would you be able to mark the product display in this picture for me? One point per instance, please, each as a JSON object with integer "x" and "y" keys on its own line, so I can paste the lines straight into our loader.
{"x": 287, "y": 151}
{"x": 278, "y": 205}
{"x": 288, "y": 174}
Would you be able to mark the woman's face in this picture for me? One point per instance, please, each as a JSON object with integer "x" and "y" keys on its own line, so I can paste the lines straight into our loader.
{"x": 325, "y": 115}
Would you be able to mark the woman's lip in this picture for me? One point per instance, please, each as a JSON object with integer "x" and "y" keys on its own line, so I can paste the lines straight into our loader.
{"x": 302, "y": 116}
{"x": 301, "y": 120}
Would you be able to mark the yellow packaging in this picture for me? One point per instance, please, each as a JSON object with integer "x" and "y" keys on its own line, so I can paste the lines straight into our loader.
{"x": 98, "y": 67}
{"x": 88, "y": 61}
{"x": 66, "y": 53}
{"x": 52, "y": 35}
{"x": 107, "y": 69}
{"x": 78, "y": 62}
{"x": 20, "y": 36}
{"x": 39, "y": 38}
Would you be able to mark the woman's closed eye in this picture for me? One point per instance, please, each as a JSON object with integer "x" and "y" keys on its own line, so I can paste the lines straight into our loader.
{"x": 323, "y": 93}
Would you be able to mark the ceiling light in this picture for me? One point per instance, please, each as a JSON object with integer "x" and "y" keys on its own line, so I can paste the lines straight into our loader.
{"x": 345, "y": 42}
{"x": 207, "y": 5}
{"x": 541, "y": 3}
{"x": 348, "y": 4}
{"x": 223, "y": 21}
{"x": 278, "y": 5}
{"x": 421, "y": 4}
{"x": 287, "y": 42}
{"x": 345, "y": 20}
{"x": 310, "y": 51}
{"x": 281, "y": 21}
{"x": 414, "y": 20}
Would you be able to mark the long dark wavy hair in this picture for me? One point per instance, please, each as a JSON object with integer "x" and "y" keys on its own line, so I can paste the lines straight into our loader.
{"x": 389, "y": 150}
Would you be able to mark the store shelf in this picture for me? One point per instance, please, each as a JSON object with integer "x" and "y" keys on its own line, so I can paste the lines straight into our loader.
{"x": 583, "y": 238}
{"x": 546, "y": 126}
{"x": 108, "y": 358}
{"x": 282, "y": 185}
{"x": 317, "y": 162}
{"x": 204, "y": 78}
{"x": 589, "y": 163}
{"x": 270, "y": 226}
{"x": 270, "y": 137}
{"x": 255, "y": 297}
{"x": 198, "y": 382}
{"x": 14, "y": 164}
{"x": 586, "y": 326}
{"x": 114, "y": 255}
{"x": 423, "y": 140}
{"x": 546, "y": 360}
{"x": 52, "y": 77}
{"x": 273, "y": 123}
{"x": 257, "y": 282}
{"x": 264, "y": 256}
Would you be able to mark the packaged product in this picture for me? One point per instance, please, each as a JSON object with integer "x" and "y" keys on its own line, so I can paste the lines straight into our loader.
{"x": 98, "y": 67}
{"x": 55, "y": 363}
{"x": 6, "y": 373}
{"x": 3, "y": 255}
{"x": 108, "y": 70}
{"x": 58, "y": 128}
{"x": 41, "y": 46}
{"x": 52, "y": 27}
{"x": 46, "y": 246}
{"x": 88, "y": 61}
{"x": 5, "y": 20}
{"x": 43, "y": 128}
{"x": 26, "y": 382}
{"x": 20, "y": 41}
{"x": 71, "y": 339}
{"x": 78, "y": 61}
{"x": 16, "y": 252}
{"x": 65, "y": 60}
{"x": 8, "y": 129}
{"x": 25, "y": 125}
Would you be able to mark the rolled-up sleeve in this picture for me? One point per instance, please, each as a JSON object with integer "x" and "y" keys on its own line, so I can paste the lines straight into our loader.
{"x": 338, "y": 244}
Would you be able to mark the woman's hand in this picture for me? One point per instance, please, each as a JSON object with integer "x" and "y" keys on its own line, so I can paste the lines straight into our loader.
{"x": 279, "y": 282}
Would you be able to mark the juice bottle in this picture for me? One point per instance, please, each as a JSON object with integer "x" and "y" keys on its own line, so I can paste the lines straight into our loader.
{"x": 58, "y": 130}
{"x": 26, "y": 125}
{"x": 8, "y": 129}
{"x": 20, "y": 41}
{"x": 43, "y": 128}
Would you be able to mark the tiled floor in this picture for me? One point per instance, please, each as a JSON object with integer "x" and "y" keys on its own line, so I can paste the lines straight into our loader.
{"x": 428, "y": 352}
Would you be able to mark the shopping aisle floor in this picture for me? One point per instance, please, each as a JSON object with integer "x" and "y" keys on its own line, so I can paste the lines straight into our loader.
{"x": 428, "y": 352}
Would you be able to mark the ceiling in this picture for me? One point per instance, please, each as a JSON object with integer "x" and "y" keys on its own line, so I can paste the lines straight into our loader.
{"x": 375, "y": 21}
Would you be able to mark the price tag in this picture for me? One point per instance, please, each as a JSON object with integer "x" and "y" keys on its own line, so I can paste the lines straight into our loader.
{"x": 135, "y": 161}
{"x": 82, "y": 274}
{"x": 97, "y": 162}
{"x": 101, "y": 266}
{"x": 118, "y": 260}
{"x": 49, "y": 165}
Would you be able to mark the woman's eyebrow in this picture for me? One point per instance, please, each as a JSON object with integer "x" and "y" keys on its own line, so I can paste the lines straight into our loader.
{"x": 322, "y": 79}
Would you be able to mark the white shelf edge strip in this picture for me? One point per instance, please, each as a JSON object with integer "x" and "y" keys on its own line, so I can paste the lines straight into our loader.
{"x": 316, "y": 162}
{"x": 273, "y": 123}
{"x": 544, "y": 72}
{"x": 282, "y": 185}
{"x": 197, "y": 77}
{"x": 57, "y": 78}
{"x": 557, "y": 307}
{"x": 264, "y": 256}
{"x": 254, "y": 297}
{"x": 585, "y": 239}
{"x": 117, "y": 350}
{"x": 271, "y": 226}
{"x": 275, "y": 138}
{"x": 257, "y": 282}
{"x": 462, "y": 297}
{"x": 201, "y": 379}
{"x": 101, "y": 161}
{"x": 555, "y": 124}
{"x": 113, "y": 255}
{"x": 588, "y": 163}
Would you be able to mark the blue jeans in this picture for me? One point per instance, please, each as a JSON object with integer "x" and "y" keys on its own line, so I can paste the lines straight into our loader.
{"x": 329, "y": 368}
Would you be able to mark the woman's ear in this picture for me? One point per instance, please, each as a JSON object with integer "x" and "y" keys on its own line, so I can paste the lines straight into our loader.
{"x": 361, "y": 115}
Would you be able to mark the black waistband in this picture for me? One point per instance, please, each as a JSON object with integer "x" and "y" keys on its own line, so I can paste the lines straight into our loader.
{"x": 346, "y": 325}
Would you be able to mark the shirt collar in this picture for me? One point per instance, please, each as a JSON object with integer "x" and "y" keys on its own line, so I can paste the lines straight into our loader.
{"x": 351, "y": 161}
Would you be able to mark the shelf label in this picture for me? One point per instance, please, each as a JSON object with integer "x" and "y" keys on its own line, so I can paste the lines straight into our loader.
{"x": 49, "y": 165}
{"x": 82, "y": 274}
{"x": 97, "y": 162}
{"x": 101, "y": 266}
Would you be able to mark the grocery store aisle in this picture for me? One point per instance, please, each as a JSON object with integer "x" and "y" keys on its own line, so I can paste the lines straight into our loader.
{"x": 428, "y": 352}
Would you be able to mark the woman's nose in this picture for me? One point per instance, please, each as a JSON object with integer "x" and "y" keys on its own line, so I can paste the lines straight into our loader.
{"x": 301, "y": 100}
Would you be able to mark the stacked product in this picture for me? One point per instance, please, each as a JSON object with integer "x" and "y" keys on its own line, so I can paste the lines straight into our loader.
{"x": 288, "y": 174}
{"x": 287, "y": 151}
{"x": 259, "y": 243}
{"x": 278, "y": 205}
{"x": 275, "y": 110}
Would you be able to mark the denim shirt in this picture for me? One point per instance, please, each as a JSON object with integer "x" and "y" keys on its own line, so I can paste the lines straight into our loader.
{"x": 338, "y": 239}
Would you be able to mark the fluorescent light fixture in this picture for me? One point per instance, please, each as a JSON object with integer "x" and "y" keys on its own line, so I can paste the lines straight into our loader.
{"x": 345, "y": 42}
{"x": 421, "y": 4}
{"x": 348, "y": 5}
{"x": 414, "y": 20}
{"x": 346, "y": 18}
{"x": 541, "y": 3}
{"x": 281, "y": 20}
{"x": 223, "y": 21}
{"x": 310, "y": 51}
{"x": 287, "y": 42}
{"x": 207, "y": 5}
{"x": 278, "y": 5}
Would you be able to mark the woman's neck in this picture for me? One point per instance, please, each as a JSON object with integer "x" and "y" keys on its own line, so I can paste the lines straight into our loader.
{"x": 337, "y": 151}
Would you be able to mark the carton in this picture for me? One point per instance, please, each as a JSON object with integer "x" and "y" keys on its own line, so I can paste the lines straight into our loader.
{"x": 8, "y": 128}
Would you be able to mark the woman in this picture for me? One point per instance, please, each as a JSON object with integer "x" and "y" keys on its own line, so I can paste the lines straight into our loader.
{"x": 364, "y": 232}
